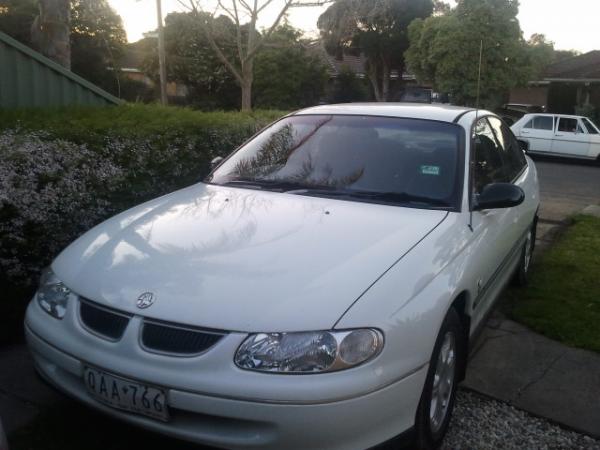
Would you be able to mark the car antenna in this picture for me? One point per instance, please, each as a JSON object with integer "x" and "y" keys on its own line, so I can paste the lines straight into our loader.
{"x": 476, "y": 118}
{"x": 479, "y": 77}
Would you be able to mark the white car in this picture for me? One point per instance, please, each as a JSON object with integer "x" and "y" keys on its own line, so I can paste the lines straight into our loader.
{"x": 559, "y": 135}
{"x": 318, "y": 290}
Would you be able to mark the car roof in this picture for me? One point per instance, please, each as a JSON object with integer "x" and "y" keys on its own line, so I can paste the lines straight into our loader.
{"x": 568, "y": 116}
{"x": 527, "y": 105}
{"x": 442, "y": 113}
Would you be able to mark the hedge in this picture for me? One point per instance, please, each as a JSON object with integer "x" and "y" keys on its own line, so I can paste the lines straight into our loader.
{"x": 63, "y": 171}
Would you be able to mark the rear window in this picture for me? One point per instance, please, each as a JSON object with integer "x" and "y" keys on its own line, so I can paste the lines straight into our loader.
{"x": 410, "y": 161}
{"x": 541, "y": 123}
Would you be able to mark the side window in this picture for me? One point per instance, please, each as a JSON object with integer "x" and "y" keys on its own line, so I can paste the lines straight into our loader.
{"x": 487, "y": 163}
{"x": 590, "y": 126}
{"x": 513, "y": 156}
{"x": 568, "y": 125}
{"x": 529, "y": 125}
{"x": 545, "y": 123}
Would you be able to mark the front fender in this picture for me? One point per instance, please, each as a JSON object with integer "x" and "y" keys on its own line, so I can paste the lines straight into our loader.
{"x": 410, "y": 301}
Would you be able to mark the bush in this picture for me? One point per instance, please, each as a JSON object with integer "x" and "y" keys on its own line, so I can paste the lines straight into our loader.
{"x": 349, "y": 88}
{"x": 63, "y": 171}
{"x": 48, "y": 194}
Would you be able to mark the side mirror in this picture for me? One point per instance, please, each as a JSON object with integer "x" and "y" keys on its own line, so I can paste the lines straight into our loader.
{"x": 523, "y": 146}
{"x": 498, "y": 195}
{"x": 215, "y": 162}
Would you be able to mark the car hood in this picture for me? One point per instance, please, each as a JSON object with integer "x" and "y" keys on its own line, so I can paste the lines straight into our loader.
{"x": 241, "y": 259}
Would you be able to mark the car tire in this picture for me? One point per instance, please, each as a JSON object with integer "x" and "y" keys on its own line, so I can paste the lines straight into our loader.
{"x": 439, "y": 393}
{"x": 522, "y": 274}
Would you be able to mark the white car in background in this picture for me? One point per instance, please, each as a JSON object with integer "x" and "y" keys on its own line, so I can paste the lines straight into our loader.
{"x": 559, "y": 135}
{"x": 319, "y": 290}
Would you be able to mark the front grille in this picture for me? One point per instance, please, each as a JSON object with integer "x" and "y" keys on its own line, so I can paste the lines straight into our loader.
{"x": 104, "y": 321}
{"x": 162, "y": 337}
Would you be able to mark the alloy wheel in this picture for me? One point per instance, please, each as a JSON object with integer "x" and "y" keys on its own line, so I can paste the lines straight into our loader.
{"x": 443, "y": 383}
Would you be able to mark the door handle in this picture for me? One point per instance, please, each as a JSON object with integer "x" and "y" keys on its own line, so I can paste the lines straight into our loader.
{"x": 559, "y": 135}
{"x": 524, "y": 132}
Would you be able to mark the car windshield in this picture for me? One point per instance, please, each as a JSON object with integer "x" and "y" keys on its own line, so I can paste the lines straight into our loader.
{"x": 364, "y": 158}
{"x": 591, "y": 126}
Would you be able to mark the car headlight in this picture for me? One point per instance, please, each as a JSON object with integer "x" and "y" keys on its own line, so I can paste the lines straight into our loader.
{"x": 52, "y": 294}
{"x": 308, "y": 352}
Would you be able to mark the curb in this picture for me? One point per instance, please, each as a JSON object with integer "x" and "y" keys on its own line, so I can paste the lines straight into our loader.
{"x": 591, "y": 210}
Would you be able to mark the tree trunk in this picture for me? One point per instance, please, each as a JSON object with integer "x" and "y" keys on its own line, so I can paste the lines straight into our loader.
{"x": 51, "y": 31}
{"x": 246, "y": 91}
{"x": 246, "y": 85}
{"x": 247, "y": 97}
{"x": 372, "y": 74}
{"x": 385, "y": 83}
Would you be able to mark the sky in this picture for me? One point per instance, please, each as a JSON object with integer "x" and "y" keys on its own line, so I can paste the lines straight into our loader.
{"x": 571, "y": 24}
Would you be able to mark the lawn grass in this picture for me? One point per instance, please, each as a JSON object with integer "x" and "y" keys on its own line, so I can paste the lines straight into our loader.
{"x": 562, "y": 300}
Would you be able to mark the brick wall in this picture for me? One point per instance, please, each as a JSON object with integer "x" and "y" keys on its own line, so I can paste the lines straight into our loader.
{"x": 532, "y": 95}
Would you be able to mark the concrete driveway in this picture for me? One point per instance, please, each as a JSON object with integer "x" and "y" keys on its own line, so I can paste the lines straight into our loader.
{"x": 566, "y": 187}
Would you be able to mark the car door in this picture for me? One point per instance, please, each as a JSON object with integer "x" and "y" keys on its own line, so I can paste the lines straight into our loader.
{"x": 519, "y": 217}
{"x": 492, "y": 233}
{"x": 594, "y": 134}
{"x": 539, "y": 132}
{"x": 570, "y": 137}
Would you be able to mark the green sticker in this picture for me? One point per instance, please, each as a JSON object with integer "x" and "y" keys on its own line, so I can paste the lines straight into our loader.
{"x": 430, "y": 170}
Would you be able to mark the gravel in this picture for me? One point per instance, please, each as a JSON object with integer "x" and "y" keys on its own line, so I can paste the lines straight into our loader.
{"x": 481, "y": 423}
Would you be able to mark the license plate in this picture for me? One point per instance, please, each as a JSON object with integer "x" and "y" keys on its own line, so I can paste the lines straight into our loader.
{"x": 125, "y": 394}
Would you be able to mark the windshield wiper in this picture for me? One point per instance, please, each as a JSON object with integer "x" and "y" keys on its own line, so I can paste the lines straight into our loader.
{"x": 402, "y": 197}
{"x": 387, "y": 197}
{"x": 266, "y": 185}
{"x": 292, "y": 187}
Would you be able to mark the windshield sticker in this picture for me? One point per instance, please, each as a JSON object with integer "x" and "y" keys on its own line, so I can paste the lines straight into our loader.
{"x": 430, "y": 170}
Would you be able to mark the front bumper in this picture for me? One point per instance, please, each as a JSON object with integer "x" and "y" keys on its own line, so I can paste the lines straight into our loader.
{"x": 355, "y": 421}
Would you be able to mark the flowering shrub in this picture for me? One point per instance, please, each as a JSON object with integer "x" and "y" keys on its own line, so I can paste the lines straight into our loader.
{"x": 48, "y": 195}
{"x": 55, "y": 183}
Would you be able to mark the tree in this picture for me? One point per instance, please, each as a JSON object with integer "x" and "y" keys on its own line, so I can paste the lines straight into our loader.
{"x": 348, "y": 88}
{"x": 445, "y": 50}
{"x": 192, "y": 61}
{"x": 16, "y": 18}
{"x": 286, "y": 74}
{"x": 248, "y": 40}
{"x": 96, "y": 35}
{"x": 541, "y": 54}
{"x": 98, "y": 42}
{"x": 51, "y": 29}
{"x": 440, "y": 7}
{"x": 377, "y": 28}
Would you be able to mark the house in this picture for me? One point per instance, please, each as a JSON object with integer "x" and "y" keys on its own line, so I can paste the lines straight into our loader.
{"x": 355, "y": 63}
{"x": 132, "y": 68}
{"x": 566, "y": 86}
